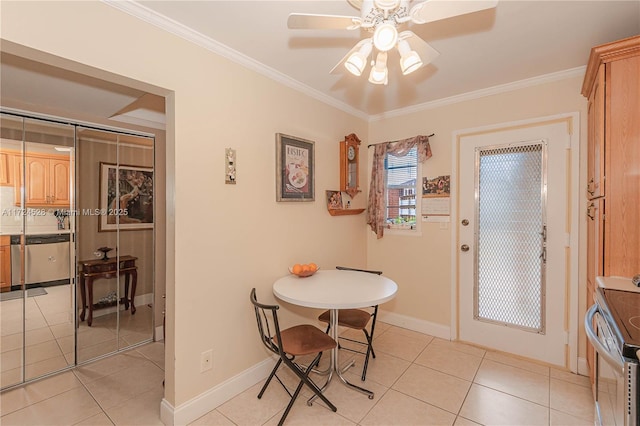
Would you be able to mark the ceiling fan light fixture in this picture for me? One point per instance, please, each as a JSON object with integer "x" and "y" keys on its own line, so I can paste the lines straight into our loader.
{"x": 379, "y": 72}
{"x": 409, "y": 59}
{"x": 385, "y": 36}
{"x": 358, "y": 60}
{"x": 386, "y": 4}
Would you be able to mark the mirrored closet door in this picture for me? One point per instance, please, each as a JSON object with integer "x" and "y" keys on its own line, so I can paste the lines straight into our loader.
{"x": 115, "y": 241}
{"x": 77, "y": 245}
{"x": 37, "y": 298}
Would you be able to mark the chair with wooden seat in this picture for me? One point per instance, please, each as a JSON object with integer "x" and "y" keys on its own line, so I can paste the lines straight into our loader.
{"x": 295, "y": 341}
{"x": 356, "y": 319}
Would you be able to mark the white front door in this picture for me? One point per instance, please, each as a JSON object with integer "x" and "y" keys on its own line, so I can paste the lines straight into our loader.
{"x": 513, "y": 224}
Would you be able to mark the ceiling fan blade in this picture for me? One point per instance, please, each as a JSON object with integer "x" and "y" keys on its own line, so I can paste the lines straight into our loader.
{"x": 422, "y": 48}
{"x": 345, "y": 57}
{"x": 434, "y": 10}
{"x": 308, "y": 21}
{"x": 355, "y": 3}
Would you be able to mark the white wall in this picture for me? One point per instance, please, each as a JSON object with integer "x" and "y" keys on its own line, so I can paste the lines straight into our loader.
{"x": 224, "y": 239}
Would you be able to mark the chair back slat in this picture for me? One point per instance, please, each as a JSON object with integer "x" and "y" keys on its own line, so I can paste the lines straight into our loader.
{"x": 267, "y": 316}
{"x": 346, "y": 268}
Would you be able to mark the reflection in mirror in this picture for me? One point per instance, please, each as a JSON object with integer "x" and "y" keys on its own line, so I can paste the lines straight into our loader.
{"x": 39, "y": 165}
{"x": 11, "y": 301}
{"x": 115, "y": 241}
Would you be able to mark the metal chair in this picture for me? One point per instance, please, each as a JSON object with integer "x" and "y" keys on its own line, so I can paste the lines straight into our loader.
{"x": 287, "y": 344}
{"x": 356, "y": 319}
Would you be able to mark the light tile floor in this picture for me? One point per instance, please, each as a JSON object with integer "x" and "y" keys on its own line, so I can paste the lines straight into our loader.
{"x": 49, "y": 334}
{"x": 417, "y": 380}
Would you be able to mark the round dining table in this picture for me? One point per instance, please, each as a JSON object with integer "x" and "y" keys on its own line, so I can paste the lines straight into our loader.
{"x": 335, "y": 290}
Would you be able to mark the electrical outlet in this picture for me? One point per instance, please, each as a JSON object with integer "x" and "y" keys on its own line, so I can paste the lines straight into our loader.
{"x": 206, "y": 360}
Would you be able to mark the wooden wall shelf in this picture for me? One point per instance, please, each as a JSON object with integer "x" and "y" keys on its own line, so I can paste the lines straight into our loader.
{"x": 344, "y": 212}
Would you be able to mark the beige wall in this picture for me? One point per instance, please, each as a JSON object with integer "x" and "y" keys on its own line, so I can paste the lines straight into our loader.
{"x": 422, "y": 266}
{"x": 227, "y": 238}
{"x": 222, "y": 240}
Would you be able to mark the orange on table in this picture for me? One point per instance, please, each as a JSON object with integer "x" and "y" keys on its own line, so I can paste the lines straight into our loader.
{"x": 313, "y": 267}
{"x": 297, "y": 268}
{"x": 305, "y": 268}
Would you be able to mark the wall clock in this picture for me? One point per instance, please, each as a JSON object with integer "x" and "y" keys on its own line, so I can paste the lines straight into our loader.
{"x": 349, "y": 167}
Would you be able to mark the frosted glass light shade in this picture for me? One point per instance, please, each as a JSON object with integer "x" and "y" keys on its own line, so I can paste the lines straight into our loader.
{"x": 409, "y": 59}
{"x": 358, "y": 60}
{"x": 379, "y": 72}
{"x": 385, "y": 37}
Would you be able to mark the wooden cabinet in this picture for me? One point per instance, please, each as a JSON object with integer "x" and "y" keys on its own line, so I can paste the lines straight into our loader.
{"x": 612, "y": 86}
{"x": 7, "y": 173}
{"x": 47, "y": 180}
{"x": 5, "y": 263}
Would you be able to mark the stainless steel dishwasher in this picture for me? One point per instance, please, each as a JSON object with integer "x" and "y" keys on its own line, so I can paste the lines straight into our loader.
{"x": 46, "y": 260}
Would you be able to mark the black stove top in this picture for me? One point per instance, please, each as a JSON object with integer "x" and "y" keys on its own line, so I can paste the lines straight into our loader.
{"x": 623, "y": 307}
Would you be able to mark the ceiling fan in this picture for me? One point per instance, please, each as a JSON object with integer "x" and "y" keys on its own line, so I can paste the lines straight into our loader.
{"x": 383, "y": 19}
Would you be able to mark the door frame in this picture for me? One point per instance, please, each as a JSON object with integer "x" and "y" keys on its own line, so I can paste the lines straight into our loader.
{"x": 572, "y": 223}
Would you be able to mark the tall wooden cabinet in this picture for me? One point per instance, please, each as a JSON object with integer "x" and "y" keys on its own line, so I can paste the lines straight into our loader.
{"x": 612, "y": 86}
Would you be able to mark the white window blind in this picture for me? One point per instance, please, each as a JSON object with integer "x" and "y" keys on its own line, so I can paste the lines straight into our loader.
{"x": 400, "y": 191}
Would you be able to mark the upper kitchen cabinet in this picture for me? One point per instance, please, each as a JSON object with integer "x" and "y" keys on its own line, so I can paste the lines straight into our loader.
{"x": 612, "y": 86}
{"x": 47, "y": 180}
{"x": 6, "y": 169}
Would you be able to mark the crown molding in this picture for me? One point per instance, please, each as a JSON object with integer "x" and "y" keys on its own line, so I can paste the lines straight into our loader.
{"x": 145, "y": 14}
{"x": 503, "y": 88}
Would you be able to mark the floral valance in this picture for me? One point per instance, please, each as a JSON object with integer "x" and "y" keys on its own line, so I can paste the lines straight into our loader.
{"x": 376, "y": 205}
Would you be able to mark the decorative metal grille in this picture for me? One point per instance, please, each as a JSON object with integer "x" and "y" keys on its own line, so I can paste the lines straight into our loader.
{"x": 509, "y": 283}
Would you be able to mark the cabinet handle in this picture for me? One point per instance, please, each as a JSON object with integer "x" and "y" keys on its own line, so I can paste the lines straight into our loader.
{"x": 589, "y": 186}
{"x": 591, "y": 207}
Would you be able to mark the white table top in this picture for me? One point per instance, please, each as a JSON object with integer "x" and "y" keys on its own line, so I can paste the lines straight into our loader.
{"x": 335, "y": 289}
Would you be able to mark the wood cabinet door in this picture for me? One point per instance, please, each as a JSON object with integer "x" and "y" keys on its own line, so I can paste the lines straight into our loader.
{"x": 622, "y": 222}
{"x": 59, "y": 178}
{"x": 595, "y": 236}
{"x": 5, "y": 268}
{"x": 37, "y": 181}
{"x": 6, "y": 169}
{"x": 596, "y": 138}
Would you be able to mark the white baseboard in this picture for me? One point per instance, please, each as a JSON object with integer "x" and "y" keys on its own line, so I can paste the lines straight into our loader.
{"x": 216, "y": 396}
{"x": 159, "y": 334}
{"x": 410, "y": 323}
{"x": 583, "y": 367}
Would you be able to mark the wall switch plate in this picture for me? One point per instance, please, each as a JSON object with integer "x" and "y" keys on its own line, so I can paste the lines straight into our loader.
{"x": 206, "y": 361}
{"x": 230, "y": 166}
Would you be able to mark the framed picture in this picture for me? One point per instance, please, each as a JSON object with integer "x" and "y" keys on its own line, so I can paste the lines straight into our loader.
{"x": 334, "y": 200}
{"x": 295, "y": 169}
{"x": 126, "y": 198}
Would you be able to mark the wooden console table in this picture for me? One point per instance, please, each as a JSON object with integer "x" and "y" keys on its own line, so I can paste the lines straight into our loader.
{"x": 90, "y": 270}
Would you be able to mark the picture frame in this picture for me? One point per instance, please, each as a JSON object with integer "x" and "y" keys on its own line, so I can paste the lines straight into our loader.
{"x": 295, "y": 168}
{"x": 334, "y": 200}
{"x": 133, "y": 186}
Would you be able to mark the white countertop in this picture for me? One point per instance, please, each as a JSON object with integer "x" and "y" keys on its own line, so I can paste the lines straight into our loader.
{"x": 617, "y": 283}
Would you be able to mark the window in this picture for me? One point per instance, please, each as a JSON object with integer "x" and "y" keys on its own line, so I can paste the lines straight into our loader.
{"x": 401, "y": 174}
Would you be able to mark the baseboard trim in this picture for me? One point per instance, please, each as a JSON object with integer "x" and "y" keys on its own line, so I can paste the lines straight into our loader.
{"x": 159, "y": 334}
{"x": 200, "y": 405}
{"x": 583, "y": 367}
{"x": 410, "y": 323}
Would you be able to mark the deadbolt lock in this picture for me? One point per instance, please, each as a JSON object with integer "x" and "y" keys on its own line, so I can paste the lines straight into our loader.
{"x": 465, "y": 222}
{"x": 464, "y": 247}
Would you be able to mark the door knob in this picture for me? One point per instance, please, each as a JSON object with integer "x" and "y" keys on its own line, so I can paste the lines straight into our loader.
{"x": 464, "y": 247}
